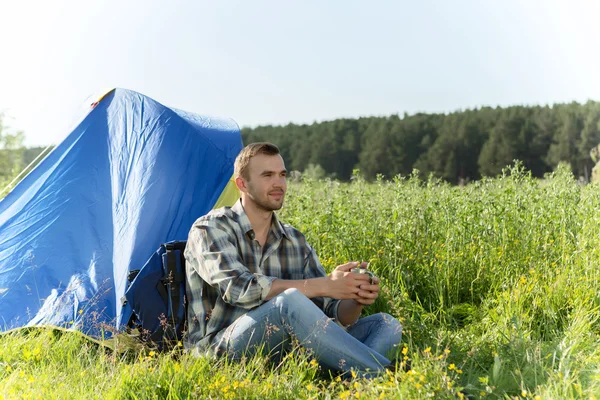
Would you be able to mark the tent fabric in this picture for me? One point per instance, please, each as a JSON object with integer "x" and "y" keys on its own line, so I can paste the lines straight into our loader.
{"x": 132, "y": 175}
{"x": 229, "y": 195}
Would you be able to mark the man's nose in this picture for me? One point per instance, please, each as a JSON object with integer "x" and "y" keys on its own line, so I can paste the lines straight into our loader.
{"x": 279, "y": 182}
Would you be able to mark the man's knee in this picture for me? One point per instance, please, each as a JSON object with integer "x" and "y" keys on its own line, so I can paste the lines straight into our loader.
{"x": 292, "y": 292}
{"x": 289, "y": 297}
{"x": 292, "y": 296}
{"x": 292, "y": 300}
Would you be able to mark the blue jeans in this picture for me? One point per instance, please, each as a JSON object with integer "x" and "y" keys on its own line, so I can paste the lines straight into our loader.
{"x": 364, "y": 347}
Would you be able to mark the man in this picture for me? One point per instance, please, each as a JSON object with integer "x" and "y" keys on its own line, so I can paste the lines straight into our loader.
{"x": 255, "y": 283}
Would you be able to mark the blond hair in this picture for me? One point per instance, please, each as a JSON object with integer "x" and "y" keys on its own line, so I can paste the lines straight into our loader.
{"x": 240, "y": 167}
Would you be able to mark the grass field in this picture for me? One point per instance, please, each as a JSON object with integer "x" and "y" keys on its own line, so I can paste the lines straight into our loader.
{"x": 496, "y": 285}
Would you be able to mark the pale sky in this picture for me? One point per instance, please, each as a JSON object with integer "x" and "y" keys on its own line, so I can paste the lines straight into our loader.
{"x": 275, "y": 62}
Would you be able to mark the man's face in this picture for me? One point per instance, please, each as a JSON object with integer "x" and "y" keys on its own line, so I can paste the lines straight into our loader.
{"x": 267, "y": 185}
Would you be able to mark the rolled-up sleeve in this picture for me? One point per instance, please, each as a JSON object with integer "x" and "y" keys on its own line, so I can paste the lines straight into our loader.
{"x": 215, "y": 258}
{"x": 314, "y": 269}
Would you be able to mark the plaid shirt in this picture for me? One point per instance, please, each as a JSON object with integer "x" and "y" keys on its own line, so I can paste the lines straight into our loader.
{"x": 229, "y": 273}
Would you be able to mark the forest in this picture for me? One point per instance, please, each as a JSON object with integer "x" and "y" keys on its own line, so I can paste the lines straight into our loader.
{"x": 458, "y": 147}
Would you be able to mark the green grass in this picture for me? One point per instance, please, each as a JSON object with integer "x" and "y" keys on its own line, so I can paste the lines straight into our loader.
{"x": 496, "y": 284}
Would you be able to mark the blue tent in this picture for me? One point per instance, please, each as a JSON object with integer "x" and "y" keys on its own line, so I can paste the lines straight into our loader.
{"x": 132, "y": 175}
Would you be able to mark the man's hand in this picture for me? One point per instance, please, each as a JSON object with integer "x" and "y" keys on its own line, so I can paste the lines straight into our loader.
{"x": 368, "y": 293}
{"x": 362, "y": 295}
{"x": 343, "y": 284}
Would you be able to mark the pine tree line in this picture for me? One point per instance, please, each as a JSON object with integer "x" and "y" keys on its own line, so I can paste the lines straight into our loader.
{"x": 458, "y": 147}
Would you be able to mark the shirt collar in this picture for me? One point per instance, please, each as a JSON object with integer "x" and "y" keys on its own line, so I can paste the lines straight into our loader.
{"x": 276, "y": 225}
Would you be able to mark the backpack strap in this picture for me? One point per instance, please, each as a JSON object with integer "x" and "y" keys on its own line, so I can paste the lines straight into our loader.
{"x": 174, "y": 278}
{"x": 171, "y": 288}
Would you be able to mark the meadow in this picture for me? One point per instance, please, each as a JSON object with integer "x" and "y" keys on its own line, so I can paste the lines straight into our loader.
{"x": 495, "y": 283}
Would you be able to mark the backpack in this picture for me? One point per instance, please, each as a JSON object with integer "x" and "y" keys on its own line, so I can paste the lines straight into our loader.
{"x": 154, "y": 303}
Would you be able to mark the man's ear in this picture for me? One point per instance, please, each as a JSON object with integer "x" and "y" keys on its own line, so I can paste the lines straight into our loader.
{"x": 241, "y": 184}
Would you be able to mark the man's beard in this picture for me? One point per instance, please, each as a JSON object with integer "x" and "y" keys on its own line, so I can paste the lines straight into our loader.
{"x": 268, "y": 206}
{"x": 264, "y": 204}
